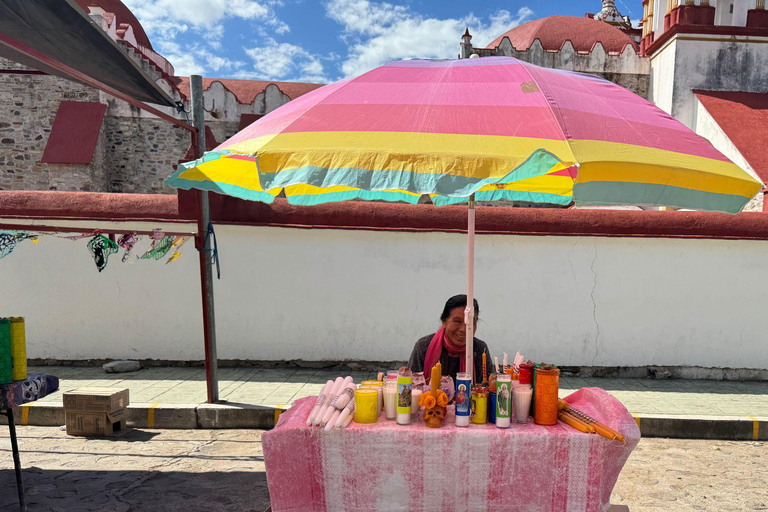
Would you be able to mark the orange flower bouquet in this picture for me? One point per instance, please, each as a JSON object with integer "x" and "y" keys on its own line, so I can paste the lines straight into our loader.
{"x": 434, "y": 408}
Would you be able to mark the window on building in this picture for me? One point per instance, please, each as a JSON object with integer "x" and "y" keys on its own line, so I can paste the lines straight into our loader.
{"x": 731, "y": 9}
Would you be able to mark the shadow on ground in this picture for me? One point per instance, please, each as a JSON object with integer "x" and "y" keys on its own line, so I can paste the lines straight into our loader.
{"x": 133, "y": 491}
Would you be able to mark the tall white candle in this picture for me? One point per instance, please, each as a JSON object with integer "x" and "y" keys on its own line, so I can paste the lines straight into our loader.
{"x": 334, "y": 391}
{"x": 320, "y": 402}
{"x": 415, "y": 401}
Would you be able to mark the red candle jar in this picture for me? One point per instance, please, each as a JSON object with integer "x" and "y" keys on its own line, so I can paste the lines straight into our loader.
{"x": 526, "y": 373}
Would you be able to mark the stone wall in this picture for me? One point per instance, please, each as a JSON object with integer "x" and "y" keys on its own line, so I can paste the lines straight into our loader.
{"x": 141, "y": 153}
{"x": 28, "y": 106}
{"x": 135, "y": 151}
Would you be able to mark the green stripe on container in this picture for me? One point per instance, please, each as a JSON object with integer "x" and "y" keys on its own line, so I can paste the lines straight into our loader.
{"x": 6, "y": 361}
{"x": 610, "y": 193}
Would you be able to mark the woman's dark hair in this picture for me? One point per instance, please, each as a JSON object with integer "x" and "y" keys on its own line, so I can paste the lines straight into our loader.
{"x": 457, "y": 301}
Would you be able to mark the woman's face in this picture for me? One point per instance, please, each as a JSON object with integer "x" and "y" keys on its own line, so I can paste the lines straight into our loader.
{"x": 455, "y": 328}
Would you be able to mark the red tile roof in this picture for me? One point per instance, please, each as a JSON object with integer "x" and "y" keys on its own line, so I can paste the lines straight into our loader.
{"x": 75, "y": 133}
{"x": 743, "y": 117}
{"x": 554, "y": 31}
{"x": 124, "y": 16}
{"x": 246, "y": 90}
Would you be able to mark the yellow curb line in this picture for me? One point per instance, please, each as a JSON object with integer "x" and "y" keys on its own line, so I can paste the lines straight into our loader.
{"x": 755, "y": 428}
{"x": 637, "y": 419}
{"x": 25, "y": 413}
{"x": 278, "y": 411}
{"x": 151, "y": 415}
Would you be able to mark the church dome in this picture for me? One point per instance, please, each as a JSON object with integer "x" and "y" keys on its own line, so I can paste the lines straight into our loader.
{"x": 116, "y": 10}
{"x": 554, "y": 31}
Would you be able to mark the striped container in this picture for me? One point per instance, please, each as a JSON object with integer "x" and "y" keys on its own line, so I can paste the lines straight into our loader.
{"x": 6, "y": 360}
{"x": 547, "y": 382}
{"x": 18, "y": 348}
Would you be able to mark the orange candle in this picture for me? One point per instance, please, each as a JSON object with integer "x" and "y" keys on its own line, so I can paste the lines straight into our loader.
{"x": 437, "y": 376}
{"x": 485, "y": 373}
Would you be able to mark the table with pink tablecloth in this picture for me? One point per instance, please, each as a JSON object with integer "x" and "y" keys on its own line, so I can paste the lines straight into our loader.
{"x": 387, "y": 467}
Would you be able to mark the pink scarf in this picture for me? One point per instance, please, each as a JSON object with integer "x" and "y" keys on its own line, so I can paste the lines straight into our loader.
{"x": 439, "y": 341}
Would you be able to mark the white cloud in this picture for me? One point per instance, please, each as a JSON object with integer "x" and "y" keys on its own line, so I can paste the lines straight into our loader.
{"x": 379, "y": 32}
{"x": 205, "y": 21}
{"x": 284, "y": 61}
{"x": 185, "y": 64}
{"x": 365, "y": 17}
{"x": 197, "y": 13}
{"x": 215, "y": 62}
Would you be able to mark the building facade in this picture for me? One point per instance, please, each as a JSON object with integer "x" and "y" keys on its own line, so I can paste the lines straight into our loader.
{"x": 128, "y": 150}
{"x": 705, "y": 63}
{"x": 699, "y": 61}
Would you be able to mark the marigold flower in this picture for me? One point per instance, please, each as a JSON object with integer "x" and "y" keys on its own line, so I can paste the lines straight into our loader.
{"x": 427, "y": 400}
{"x": 442, "y": 398}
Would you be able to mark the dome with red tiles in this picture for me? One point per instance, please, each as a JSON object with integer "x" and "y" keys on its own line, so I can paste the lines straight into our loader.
{"x": 115, "y": 10}
{"x": 554, "y": 31}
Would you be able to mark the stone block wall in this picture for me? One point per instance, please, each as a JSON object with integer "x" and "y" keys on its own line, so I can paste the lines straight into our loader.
{"x": 142, "y": 153}
{"x": 135, "y": 152}
{"x": 28, "y": 106}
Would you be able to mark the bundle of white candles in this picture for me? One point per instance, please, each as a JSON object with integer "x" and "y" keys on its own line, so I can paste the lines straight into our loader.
{"x": 515, "y": 363}
{"x": 518, "y": 360}
{"x": 335, "y": 405}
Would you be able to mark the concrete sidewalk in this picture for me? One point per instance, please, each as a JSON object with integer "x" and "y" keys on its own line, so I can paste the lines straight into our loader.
{"x": 173, "y": 397}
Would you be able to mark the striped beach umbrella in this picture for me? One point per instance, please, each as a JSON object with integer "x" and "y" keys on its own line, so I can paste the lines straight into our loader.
{"x": 458, "y": 130}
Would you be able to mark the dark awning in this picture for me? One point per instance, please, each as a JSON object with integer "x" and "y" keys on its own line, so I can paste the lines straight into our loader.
{"x": 42, "y": 33}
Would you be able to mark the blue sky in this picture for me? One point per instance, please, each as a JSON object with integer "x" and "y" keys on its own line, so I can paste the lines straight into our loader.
{"x": 326, "y": 40}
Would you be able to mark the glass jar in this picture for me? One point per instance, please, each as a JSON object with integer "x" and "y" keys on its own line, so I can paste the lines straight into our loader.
{"x": 390, "y": 396}
{"x": 419, "y": 382}
{"x": 404, "y": 396}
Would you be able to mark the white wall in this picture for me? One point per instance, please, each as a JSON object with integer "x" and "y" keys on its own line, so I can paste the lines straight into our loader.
{"x": 712, "y": 63}
{"x": 363, "y": 295}
{"x": 663, "y": 77}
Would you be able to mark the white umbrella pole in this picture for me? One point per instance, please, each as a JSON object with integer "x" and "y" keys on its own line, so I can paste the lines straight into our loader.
{"x": 469, "y": 313}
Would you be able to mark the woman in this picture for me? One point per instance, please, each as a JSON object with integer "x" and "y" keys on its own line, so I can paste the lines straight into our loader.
{"x": 448, "y": 345}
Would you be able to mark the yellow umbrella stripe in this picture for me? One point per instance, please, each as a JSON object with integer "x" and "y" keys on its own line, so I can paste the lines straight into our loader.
{"x": 476, "y": 156}
{"x": 548, "y": 184}
{"x": 624, "y": 172}
{"x": 588, "y": 151}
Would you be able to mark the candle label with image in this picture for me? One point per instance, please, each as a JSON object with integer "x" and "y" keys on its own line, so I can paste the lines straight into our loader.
{"x": 463, "y": 398}
{"x": 503, "y": 399}
{"x": 404, "y": 394}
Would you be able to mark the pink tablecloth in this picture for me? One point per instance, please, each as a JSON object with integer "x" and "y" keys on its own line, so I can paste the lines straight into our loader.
{"x": 387, "y": 467}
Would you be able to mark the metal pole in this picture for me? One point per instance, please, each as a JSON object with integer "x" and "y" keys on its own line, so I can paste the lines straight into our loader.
{"x": 16, "y": 460}
{"x": 204, "y": 246}
{"x": 469, "y": 313}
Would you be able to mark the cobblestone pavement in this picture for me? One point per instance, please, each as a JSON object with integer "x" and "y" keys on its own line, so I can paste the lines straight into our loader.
{"x": 145, "y": 470}
{"x": 279, "y": 387}
{"x": 691, "y": 475}
{"x": 223, "y": 470}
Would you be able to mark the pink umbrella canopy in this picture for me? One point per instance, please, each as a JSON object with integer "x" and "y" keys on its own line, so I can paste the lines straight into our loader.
{"x": 490, "y": 128}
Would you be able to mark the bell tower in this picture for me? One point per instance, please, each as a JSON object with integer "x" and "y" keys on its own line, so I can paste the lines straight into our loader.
{"x": 610, "y": 14}
{"x": 466, "y": 45}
